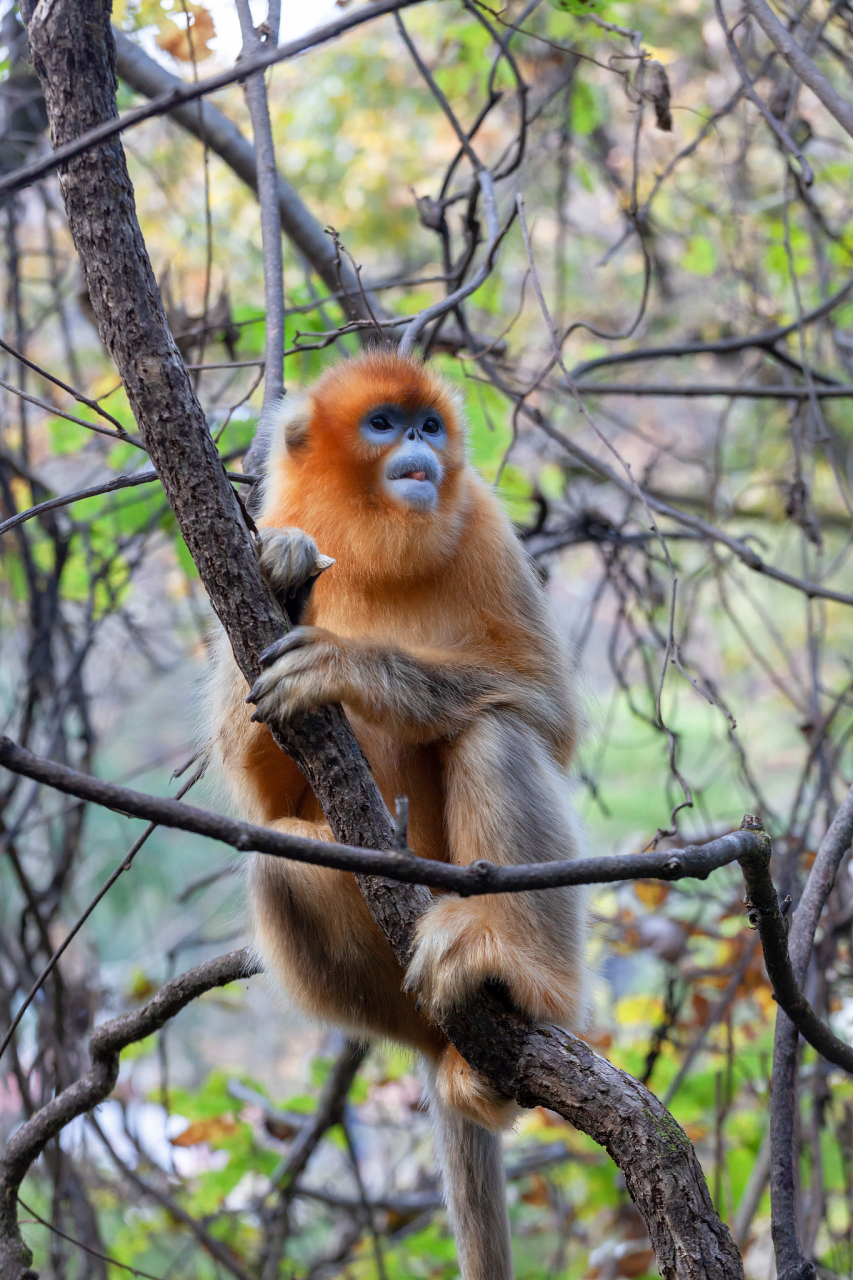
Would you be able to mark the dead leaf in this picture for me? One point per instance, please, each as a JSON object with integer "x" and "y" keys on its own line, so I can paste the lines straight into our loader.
{"x": 537, "y": 1192}
{"x": 206, "y": 1131}
{"x": 189, "y": 43}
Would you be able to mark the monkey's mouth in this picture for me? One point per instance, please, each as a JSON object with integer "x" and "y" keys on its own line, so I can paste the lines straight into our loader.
{"x": 414, "y": 481}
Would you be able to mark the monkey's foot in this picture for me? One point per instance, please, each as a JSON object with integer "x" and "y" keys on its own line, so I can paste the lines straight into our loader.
{"x": 462, "y": 943}
{"x": 291, "y": 564}
{"x": 301, "y": 671}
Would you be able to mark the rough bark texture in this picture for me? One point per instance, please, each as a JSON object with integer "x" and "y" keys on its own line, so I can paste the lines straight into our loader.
{"x": 74, "y": 58}
{"x": 72, "y": 47}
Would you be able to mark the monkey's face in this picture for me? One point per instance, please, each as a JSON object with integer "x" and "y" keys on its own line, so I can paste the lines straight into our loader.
{"x": 412, "y": 442}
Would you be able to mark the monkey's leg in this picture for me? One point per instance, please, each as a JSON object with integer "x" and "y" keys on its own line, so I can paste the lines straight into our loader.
{"x": 471, "y": 1163}
{"x": 507, "y": 801}
{"x": 317, "y": 935}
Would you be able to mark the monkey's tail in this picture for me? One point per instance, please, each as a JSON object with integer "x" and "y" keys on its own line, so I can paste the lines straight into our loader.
{"x": 471, "y": 1163}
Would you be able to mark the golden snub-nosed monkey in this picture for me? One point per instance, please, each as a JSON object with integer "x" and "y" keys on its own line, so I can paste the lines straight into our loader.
{"x": 418, "y": 610}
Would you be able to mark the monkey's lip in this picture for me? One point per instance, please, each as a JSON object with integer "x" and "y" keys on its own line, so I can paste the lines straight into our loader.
{"x": 421, "y": 470}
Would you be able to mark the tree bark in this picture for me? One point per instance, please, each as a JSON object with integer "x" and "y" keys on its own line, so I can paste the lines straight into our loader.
{"x": 74, "y": 57}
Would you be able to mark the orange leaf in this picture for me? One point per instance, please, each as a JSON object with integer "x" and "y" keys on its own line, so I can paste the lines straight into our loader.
{"x": 205, "y": 1131}
{"x": 188, "y": 43}
{"x": 537, "y": 1193}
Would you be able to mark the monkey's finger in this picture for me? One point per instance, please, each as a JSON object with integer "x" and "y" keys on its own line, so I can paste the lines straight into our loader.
{"x": 298, "y": 638}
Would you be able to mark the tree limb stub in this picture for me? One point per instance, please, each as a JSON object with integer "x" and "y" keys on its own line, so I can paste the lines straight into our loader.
{"x": 105, "y": 1046}
{"x": 74, "y": 58}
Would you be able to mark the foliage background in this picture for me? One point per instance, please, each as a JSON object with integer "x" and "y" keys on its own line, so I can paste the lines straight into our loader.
{"x": 734, "y": 245}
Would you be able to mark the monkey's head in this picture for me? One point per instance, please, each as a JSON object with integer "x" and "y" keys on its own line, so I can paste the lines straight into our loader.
{"x": 380, "y": 437}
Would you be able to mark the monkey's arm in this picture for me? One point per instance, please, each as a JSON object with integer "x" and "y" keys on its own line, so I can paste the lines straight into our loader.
{"x": 419, "y": 696}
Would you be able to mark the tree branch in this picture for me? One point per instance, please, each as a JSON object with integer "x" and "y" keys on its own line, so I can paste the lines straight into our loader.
{"x": 766, "y": 916}
{"x": 104, "y": 130}
{"x": 105, "y": 1046}
{"x": 402, "y": 866}
{"x": 267, "y": 182}
{"x": 801, "y": 64}
{"x": 207, "y": 122}
{"x": 790, "y": 1263}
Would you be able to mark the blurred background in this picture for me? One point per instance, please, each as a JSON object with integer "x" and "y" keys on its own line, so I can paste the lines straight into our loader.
{"x": 668, "y": 222}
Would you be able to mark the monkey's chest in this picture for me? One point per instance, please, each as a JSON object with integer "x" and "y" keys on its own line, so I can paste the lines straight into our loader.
{"x": 416, "y": 771}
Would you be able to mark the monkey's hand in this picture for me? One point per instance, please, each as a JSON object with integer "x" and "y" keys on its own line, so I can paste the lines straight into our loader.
{"x": 462, "y": 943}
{"x": 303, "y": 670}
{"x": 291, "y": 564}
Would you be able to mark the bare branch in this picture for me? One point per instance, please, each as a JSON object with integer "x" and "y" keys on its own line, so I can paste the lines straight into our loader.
{"x": 801, "y": 64}
{"x": 105, "y": 1046}
{"x": 733, "y": 392}
{"x": 766, "y": 915}
{"x": 28, "y": 174}
{"x": 109, "y": 486}
{"x": 791, "y": 1265}
{"x": 404, "y": 867}
{"x": 267, "y": 180}
{"x": 750, "y": 90}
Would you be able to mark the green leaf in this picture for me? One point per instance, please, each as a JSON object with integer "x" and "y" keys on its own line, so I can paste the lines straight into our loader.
{"x": 586, "y": 112}
{"x": 700, "y": 258}
{"x": 579, "y": 7}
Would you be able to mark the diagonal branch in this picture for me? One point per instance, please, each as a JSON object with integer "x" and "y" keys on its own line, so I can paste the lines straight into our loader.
{"x": 801, "y": 64}
{"x": 211, "y": 126}
{"x": 267, "y": 180}
{"x": 103, "y": 130}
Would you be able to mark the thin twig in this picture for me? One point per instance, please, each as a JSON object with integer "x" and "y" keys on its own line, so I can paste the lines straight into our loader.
{"x": 267, "y": 177}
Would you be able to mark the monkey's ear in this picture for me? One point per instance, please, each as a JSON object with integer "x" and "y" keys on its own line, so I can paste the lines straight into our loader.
{"x": 286, "y": 424}
{"x": 296, "y": 422}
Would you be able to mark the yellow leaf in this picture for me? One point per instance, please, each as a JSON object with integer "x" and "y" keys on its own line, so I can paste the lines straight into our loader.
{"x": 651, "y": 892}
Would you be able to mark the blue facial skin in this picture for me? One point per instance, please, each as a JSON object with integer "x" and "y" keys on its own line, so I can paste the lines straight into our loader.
{"x": 412, "y": 472}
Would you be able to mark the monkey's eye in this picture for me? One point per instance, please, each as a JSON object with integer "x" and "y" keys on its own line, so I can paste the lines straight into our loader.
{"x": 380, "y": 424}
{"x": 432, "y": 426}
